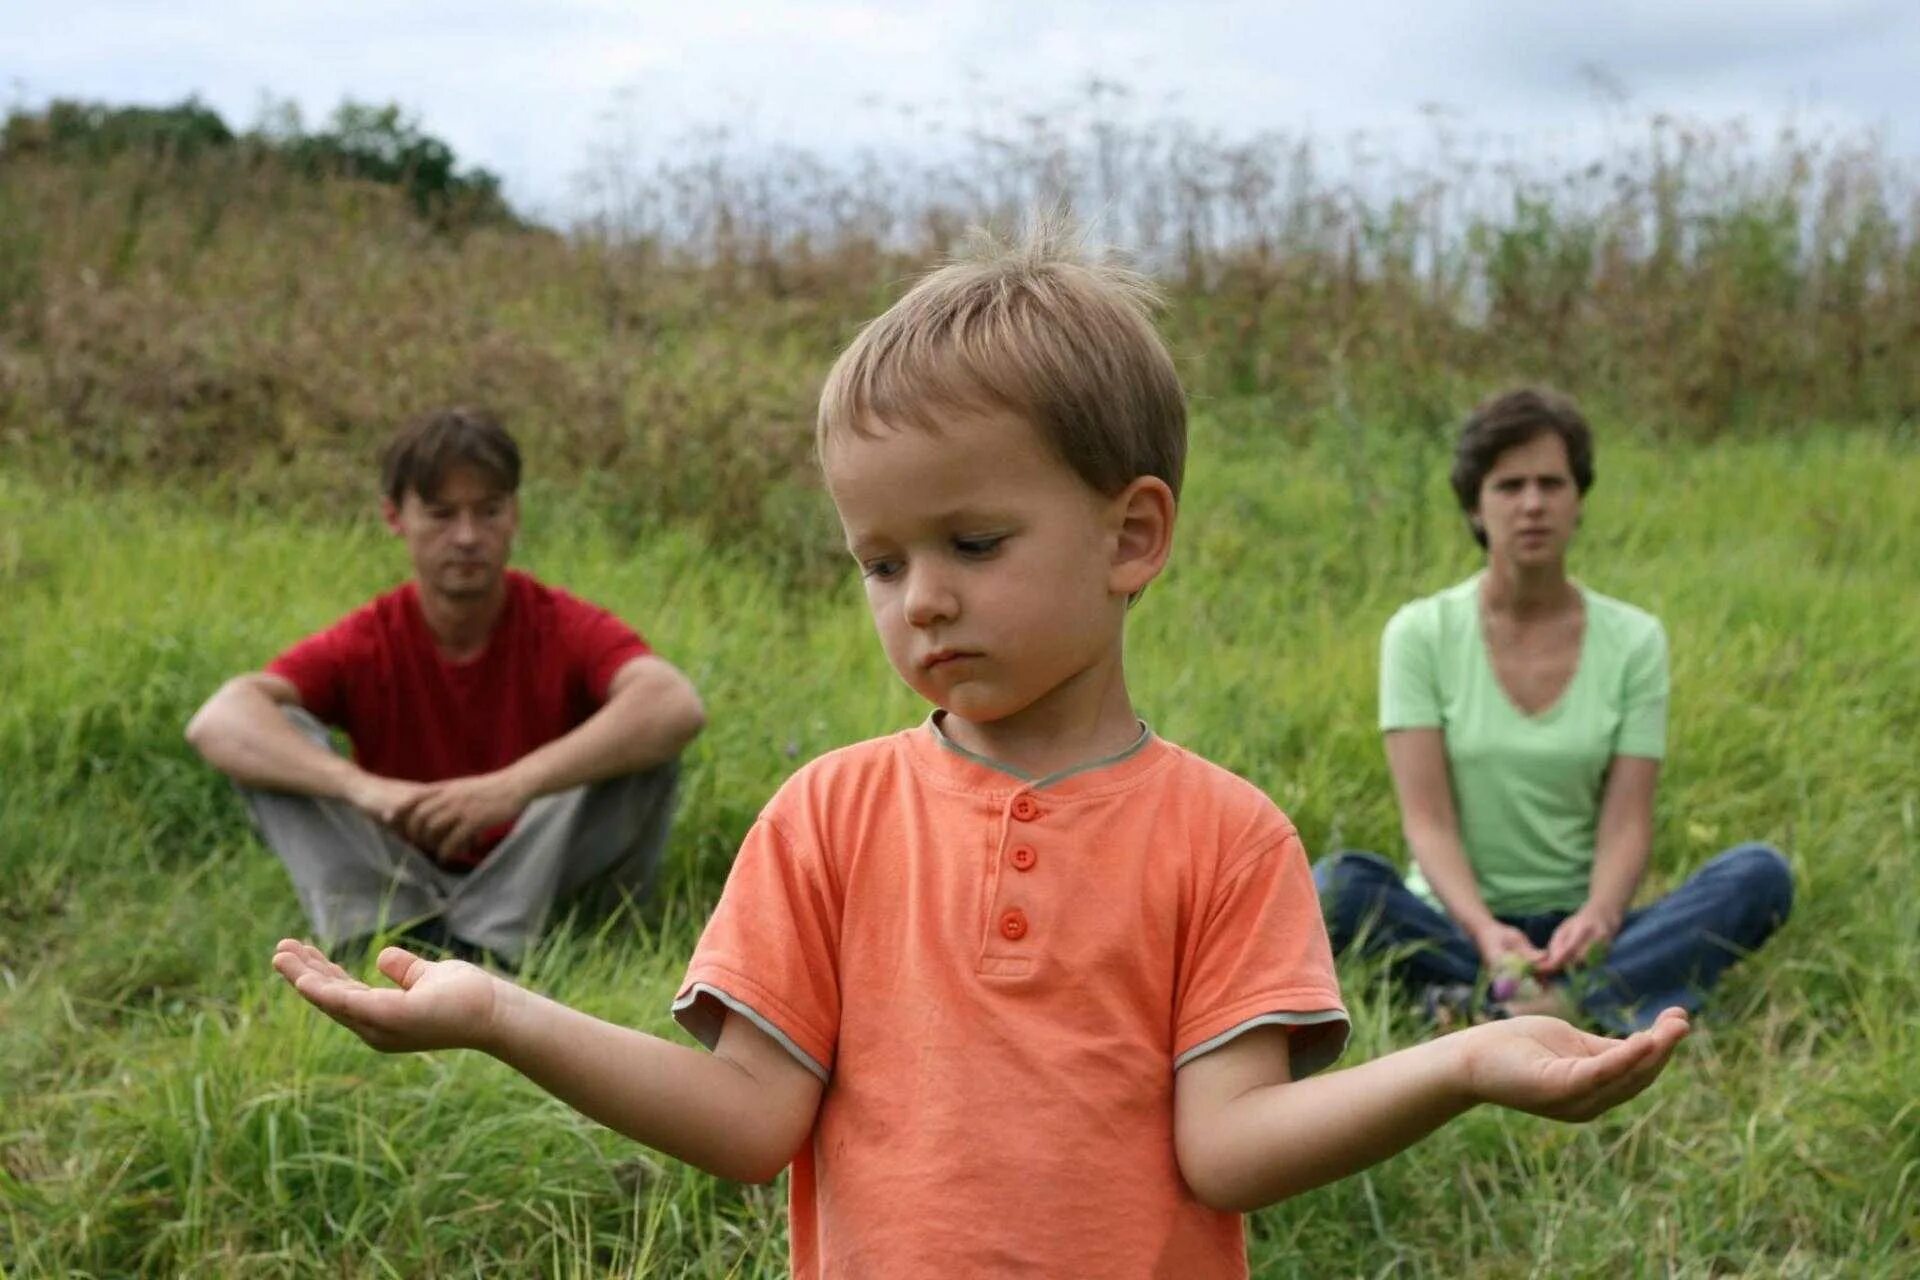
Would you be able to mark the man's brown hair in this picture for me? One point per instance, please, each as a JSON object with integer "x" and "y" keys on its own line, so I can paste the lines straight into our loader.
{"x": 425, "y": 450}
{"x": 1514, "y": 417}
{"x": 1042, "y": 330}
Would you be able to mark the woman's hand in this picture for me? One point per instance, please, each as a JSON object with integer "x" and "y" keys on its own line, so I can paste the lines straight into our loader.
{"x": 446, "y": 1004}
{"x": 1577, "y": 935}
{"x": 1495, "y": 939}
{"x": 1547, "y": 1068}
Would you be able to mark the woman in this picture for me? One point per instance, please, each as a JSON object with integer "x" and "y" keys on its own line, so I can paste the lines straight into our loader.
{"x": 1525, "y": 721}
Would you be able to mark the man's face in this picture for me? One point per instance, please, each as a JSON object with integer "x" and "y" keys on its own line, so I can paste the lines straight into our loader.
{"x": 460, "y": 538}
{"x": 989, "y": 564}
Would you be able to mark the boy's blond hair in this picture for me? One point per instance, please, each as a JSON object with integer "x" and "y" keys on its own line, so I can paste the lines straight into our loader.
{"x": 1043, "y": 330}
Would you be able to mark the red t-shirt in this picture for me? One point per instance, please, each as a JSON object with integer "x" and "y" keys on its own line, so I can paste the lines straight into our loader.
{"x": 413, "y": 713}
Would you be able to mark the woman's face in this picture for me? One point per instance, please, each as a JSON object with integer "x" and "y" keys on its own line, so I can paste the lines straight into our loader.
{"x": 1529, "y": 504}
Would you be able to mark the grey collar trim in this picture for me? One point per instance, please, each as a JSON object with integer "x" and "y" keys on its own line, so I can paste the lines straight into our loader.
{"x": 1138, "y": 745}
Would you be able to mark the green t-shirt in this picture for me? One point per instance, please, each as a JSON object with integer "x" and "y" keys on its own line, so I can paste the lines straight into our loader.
{"x": 1526, "y": 788}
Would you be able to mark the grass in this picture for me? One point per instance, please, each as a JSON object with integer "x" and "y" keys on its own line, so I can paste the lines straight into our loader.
{"x": 166, "y": 1107}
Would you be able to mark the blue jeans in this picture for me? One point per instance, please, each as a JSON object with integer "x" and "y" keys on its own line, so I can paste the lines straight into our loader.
{"x": 1668, "y": 953}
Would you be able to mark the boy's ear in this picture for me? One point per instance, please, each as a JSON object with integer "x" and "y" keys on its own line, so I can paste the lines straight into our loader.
{"x": 390, "y": 512}
{"x": 1143, "y": 515}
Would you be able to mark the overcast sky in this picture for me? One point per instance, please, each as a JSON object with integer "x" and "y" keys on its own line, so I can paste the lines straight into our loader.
{"x": 525, "y": 88}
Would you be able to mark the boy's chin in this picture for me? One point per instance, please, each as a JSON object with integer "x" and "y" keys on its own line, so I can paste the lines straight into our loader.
{"x": 967, "y": 704}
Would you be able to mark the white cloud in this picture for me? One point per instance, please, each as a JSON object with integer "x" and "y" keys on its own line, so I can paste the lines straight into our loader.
{"x": 522, "y": 86}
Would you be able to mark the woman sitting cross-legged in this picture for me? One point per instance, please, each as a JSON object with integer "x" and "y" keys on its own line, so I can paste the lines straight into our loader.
{"x": 1525, "y": 720}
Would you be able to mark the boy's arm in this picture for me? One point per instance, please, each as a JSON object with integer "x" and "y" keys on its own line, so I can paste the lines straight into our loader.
{"x": 739, "y": 1112}
{"x": 1247, "y": 1136}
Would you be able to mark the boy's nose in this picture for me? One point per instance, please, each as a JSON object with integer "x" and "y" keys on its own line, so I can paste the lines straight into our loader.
{"x": 929, "y": 600}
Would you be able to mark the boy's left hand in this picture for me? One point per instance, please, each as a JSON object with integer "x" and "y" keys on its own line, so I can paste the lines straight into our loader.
{"x": 1548, "y": 1068}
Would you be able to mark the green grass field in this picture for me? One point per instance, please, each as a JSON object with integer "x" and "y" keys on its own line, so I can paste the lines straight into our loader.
{"x": 168, "y": 1107}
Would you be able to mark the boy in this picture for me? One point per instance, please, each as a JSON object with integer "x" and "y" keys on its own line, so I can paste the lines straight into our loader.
{"x": 1024, "y": 990}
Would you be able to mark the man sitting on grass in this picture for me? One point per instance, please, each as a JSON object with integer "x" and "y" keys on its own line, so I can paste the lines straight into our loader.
{"x": 513, "y": 746}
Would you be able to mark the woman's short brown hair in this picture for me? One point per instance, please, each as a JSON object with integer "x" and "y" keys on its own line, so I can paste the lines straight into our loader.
{"x": 1511, "y": 418}
{"x": 1042, "y": 330}
{"x": 424, "y": 451}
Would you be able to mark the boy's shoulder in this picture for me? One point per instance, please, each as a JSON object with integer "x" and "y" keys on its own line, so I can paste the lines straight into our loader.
{"x": 839, "y": 775}
{"x": 1236, "y": 802}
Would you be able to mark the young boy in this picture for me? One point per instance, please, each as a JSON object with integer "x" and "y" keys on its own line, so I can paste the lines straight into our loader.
{"x": 1025, "y": 990}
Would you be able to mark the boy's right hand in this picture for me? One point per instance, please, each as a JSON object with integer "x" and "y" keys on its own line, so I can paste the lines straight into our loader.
{"x": 445, "y": 1004}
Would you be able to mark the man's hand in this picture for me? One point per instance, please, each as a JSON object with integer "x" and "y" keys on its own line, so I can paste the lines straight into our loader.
{"x": 445, "y": 817}
{"x": 384, "y": 799}
{"x": 1577, "y": 935}
{"x": 1496, "y": 939}
{"x": 1547, "y": 1068}
{"x": 445, "y": 1004}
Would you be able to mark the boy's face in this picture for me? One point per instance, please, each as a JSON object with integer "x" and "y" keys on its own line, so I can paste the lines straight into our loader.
{"x": 995, "y": 574}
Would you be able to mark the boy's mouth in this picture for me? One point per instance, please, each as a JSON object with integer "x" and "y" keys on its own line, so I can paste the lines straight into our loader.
{"x": 941, "y": 657}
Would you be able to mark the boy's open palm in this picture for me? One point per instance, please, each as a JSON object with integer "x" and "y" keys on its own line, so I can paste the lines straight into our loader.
{"x": 1548, "y": 1068}
{"x": 442, "y": 1004}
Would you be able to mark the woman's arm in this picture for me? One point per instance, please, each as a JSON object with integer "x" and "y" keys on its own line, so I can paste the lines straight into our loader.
{"x": 1621, "y": 844}
{"x": 1418, "y": 760}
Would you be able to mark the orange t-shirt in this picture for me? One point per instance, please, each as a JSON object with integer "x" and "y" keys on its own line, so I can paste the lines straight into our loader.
{"x": 997, "y": 979}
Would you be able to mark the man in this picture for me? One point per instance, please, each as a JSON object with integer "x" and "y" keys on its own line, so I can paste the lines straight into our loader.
{"x": 513, "y": 746}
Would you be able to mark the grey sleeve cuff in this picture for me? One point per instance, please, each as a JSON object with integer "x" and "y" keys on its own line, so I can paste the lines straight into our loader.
{"x": 1314, "y": 1052}
{"x": 704, "y": 1025}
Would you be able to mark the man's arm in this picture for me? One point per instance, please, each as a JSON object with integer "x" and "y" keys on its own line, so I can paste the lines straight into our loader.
{"x": 1418, "y": 761}
{"x": 740, "y": 1112}
{"x": 242, "y": 732}
{"x": 651, "y": 713}
{"x": 1247, "y": 1136}
{"x": 1621, "y": 844}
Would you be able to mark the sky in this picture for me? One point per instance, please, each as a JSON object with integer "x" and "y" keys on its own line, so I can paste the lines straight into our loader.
{"x": 529, "y": 89}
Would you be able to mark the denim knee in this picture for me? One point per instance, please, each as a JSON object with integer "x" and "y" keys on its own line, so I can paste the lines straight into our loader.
{"x": 1349, "y": 883}
{"x": 1338, "y": 873}
{"x": 1765, "y": 878}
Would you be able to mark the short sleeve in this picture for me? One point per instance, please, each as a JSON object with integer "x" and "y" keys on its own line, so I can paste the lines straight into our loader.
{"x": 598, "y": 644}
{"x": 317, "y": 668}
{"x": 1409, "y": 688}
{"x": 1258, "y": 957}
{"x": 768, "y": 953}
{"x": 1643, "y": 712}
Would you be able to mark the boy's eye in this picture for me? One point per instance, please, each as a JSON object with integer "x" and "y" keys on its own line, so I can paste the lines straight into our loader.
{"x": 978, "y": 546}
{"x": 881, "y": 569}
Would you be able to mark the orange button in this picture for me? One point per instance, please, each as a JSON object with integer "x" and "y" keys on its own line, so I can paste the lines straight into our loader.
{"x": 1026, "y": 808}
{"x": 1014, "y": 924}
{"x": 1022, "y": 857}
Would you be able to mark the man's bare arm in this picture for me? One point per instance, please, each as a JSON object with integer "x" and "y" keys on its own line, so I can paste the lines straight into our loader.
{"x": 740, "y": 1112}
{"x": 651, "y": 713}
{"x": 242, "y": 731}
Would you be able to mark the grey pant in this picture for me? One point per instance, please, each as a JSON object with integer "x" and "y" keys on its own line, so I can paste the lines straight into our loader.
{"x": 355, "y": 876}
